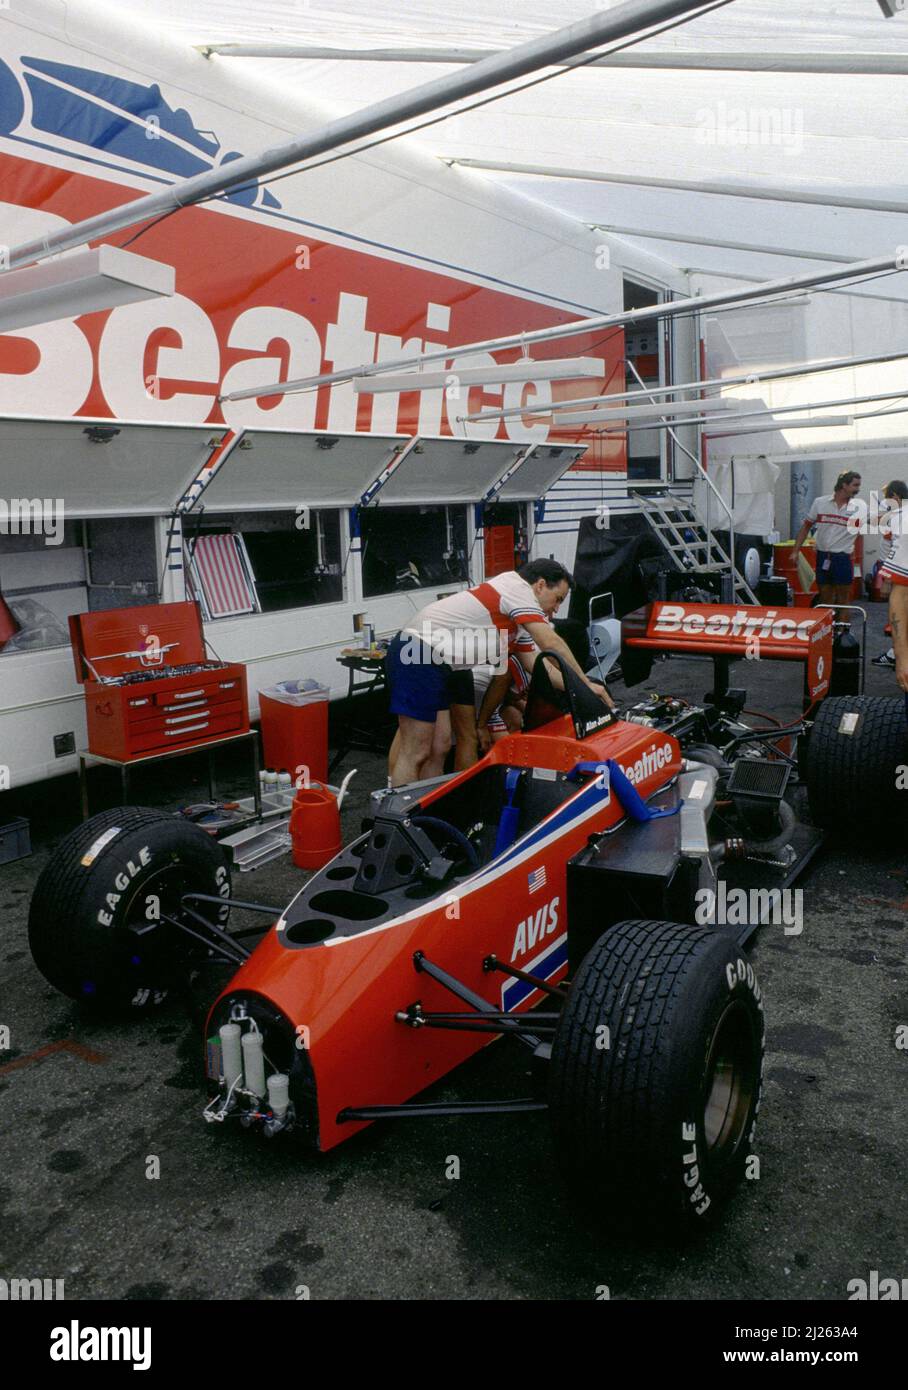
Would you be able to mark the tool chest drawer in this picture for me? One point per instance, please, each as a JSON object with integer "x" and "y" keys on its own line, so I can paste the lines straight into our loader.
{"x": 205, "y": 726}
{"x": 166, "y": 723}
{"x": 167, "y": 702}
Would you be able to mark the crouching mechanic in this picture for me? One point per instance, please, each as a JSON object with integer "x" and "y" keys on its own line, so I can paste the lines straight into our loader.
{"x": 449, "y": 638}
{"x": 500, "y": 696}
{"x": 895, "y": 569}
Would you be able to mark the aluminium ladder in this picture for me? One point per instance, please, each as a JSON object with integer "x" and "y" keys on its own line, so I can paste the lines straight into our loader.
{"x": 689, "y": 545}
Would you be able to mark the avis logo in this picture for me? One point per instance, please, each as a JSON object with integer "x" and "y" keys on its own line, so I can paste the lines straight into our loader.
{"x": 532, "y": 929}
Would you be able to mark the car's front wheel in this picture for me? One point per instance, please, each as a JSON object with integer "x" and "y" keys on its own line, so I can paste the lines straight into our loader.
{"x": 656, "y": 1074}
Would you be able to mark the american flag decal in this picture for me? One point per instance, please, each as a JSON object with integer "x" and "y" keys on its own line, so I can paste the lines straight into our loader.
{"x": 536, "y": 879}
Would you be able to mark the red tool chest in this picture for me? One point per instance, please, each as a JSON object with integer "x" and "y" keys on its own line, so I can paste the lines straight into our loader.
{"x": 149, "y": 686}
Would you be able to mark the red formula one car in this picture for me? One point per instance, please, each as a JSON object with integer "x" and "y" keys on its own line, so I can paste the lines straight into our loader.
{"x": 563, "y": 892}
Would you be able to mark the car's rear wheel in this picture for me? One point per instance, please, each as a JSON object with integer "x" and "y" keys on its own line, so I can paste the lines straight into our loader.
{"x": 656, "y": 1075}
{"x": 97, "y": 925}
{"x": 857, "y": 765}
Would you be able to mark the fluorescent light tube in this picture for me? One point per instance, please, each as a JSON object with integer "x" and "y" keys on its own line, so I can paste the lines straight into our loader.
{"x": 642, "y": 412}
{"x": 554, "y": 369}
{"x": 80, "y": 284}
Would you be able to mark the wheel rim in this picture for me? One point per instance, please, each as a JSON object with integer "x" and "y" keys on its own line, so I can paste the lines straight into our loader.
{"x": 149, "y": 952}
{"x": 752, "y": 565}
{"x": 732, "y": 1071}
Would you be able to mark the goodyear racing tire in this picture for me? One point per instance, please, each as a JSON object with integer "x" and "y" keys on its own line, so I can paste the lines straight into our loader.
{"x": 855, "y": 751}
{"x": 119, "y": 871}
{"x": 656, "y": 1075}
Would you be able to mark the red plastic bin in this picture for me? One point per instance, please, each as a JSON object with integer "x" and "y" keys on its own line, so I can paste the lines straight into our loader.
{"x": 295, "y": 736}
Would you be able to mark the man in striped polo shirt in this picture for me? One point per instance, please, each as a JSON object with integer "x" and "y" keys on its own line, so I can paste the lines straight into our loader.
{"x": 430, "y": 662}
{"x": 839, "y": 520}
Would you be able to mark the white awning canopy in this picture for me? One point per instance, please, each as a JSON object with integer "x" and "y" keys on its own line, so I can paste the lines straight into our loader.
{"x": 758, "y": 94}
{"x": 103, "y": 467}
{"x": 110, "y": 468}
{"x": 272, "y": 470}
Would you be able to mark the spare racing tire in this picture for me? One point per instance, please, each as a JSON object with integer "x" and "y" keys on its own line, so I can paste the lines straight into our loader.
{"x": 656, "y": 1075}
{"x": 96, "y": 924}
{"x": 857, "y": 765}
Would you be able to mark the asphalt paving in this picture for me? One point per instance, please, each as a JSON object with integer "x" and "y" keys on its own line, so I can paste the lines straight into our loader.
{"x": 87, "y": 1104}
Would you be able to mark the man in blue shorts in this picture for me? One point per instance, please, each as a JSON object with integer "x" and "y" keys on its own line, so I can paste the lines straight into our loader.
{"x": 839, "y": 520}
{"x": 430, "y": 662}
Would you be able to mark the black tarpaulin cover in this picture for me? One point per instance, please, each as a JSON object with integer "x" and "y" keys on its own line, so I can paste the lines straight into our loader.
{"x": 608, "y": 560}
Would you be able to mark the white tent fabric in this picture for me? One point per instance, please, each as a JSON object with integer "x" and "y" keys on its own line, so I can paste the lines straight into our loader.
{"x": 834, "y": 135}
{"x": 839, "y": 134}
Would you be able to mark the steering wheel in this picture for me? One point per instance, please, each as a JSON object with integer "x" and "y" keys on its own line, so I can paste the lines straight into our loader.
{"x": 451, "y": 832}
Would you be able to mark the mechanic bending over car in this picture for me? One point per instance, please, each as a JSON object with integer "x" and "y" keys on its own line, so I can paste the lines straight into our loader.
{"x": 839, "y": 520}
{"x": 430, "y": 662}
{"x": 506, "y": 717}
{"x": 501, "y": 702}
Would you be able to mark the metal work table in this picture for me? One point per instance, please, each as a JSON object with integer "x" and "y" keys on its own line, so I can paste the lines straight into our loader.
{"x": 369, "y": 695}
{"x": 126, "y": 766}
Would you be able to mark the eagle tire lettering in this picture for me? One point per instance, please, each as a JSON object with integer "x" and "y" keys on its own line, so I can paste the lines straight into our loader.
{"x": 121, "y": 884}
{"x": 97, "y": 924}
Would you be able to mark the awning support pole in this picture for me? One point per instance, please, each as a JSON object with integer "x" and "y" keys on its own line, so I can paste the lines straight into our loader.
{"x": 895, "y": 261}
{"x": 830, "y": 364}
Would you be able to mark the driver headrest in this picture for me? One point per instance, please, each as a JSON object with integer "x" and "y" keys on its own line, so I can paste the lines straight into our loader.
{"x": 546, "y": 702}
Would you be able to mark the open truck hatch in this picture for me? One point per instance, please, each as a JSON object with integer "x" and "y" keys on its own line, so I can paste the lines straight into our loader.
{"x": 275, "y": 470}
{"x": 104, "y": 467}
